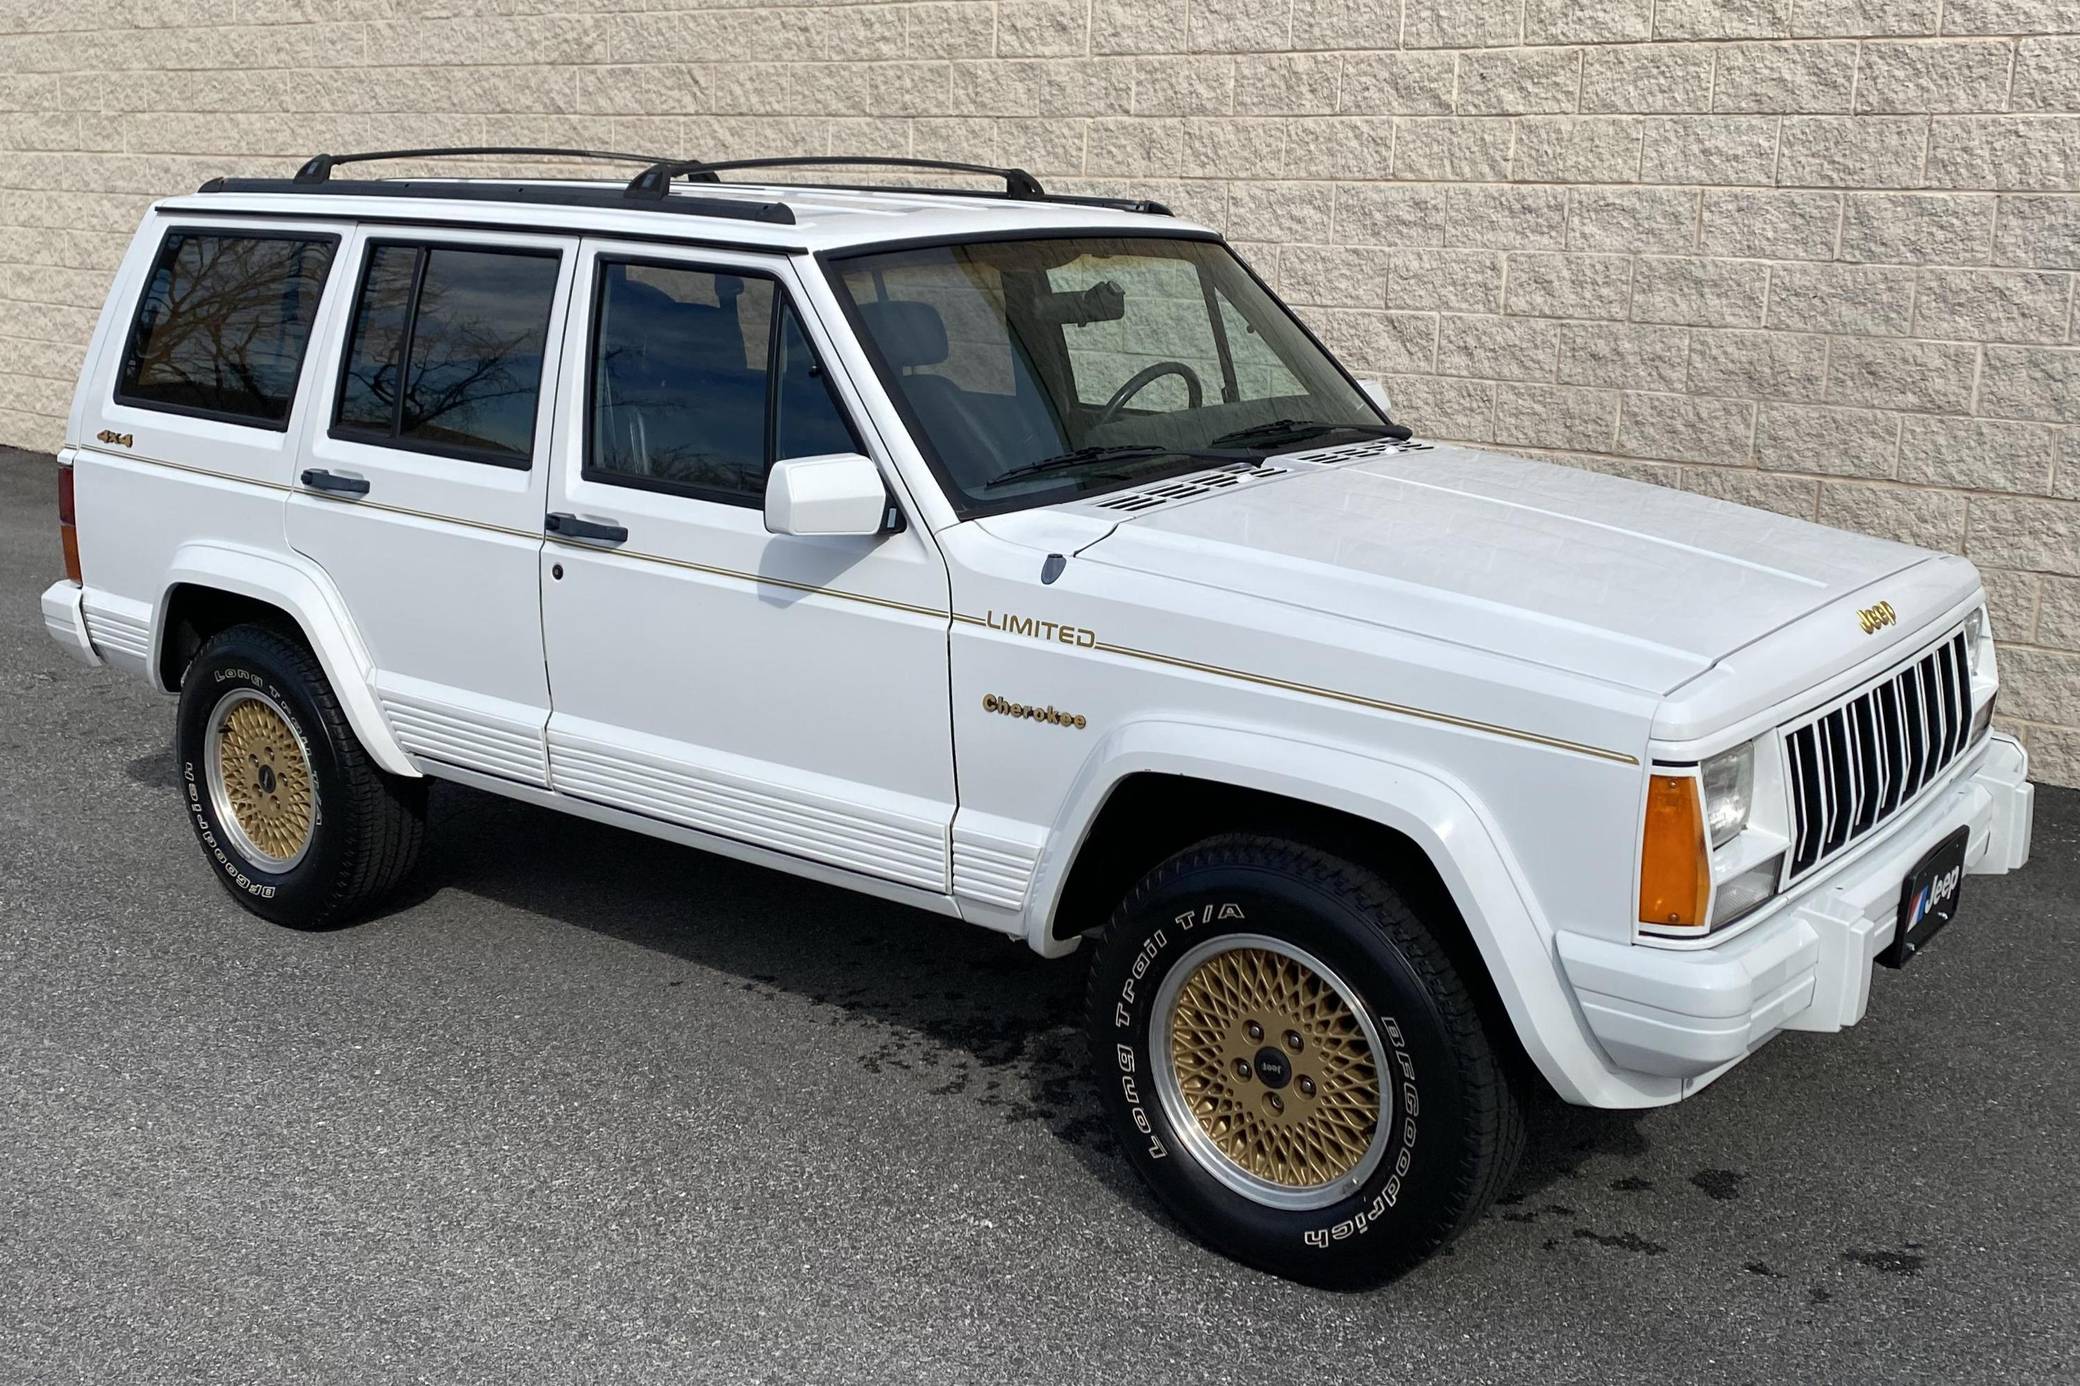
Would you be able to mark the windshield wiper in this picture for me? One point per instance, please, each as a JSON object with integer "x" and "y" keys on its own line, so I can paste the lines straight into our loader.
{"x": 1129, "y": 452}
{"x": 1292, "y": 430}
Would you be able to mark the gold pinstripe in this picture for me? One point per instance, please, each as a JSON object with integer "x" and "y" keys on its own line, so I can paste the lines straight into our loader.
{"x": 960, "y": 618}
{"x": 762, "y": 579}
{"x": 1353, "y": 699}
{"x": 1377, "y": 704}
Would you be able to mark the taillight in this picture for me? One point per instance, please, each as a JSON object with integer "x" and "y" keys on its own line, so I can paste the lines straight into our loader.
{"x": 68, "y": 525}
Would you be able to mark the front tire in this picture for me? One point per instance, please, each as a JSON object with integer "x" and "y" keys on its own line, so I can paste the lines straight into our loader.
{"x": 296, "y": 821}
{"x": 1290, "y": 1061}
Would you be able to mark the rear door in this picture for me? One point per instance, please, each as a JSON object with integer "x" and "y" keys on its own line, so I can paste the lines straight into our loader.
{"x": 423, "y": 481}
{"x": 783, "y": 691}
{"x": 189, "y": 414}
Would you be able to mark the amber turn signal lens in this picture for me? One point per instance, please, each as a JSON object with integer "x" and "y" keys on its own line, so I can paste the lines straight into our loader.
{"x": 1675, "y": 875}
{"x": 68, "y": 530}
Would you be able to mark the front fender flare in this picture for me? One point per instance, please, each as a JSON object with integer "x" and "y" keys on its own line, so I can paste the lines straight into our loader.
{"x": 308, "y": 597}
{"x": 1443, "y": 819}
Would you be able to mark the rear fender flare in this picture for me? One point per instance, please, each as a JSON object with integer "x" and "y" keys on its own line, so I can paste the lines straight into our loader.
{"x": 307, "y": 597}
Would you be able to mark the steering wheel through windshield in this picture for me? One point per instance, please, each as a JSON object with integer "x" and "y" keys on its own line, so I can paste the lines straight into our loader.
{"x": 1142, "y": 379}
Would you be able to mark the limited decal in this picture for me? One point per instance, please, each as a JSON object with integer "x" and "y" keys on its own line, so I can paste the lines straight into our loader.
{"x": 1875, "y": 618}
{"x": 1033, "y": 628}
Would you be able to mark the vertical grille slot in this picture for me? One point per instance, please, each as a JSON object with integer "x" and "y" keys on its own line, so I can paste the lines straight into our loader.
{"x": 1860, "y": 762}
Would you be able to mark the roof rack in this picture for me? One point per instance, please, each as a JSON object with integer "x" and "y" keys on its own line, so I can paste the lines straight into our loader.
{"x": 316, "y": 176}
{"x": 318, "y": 168}
{"x": 655, "y": 182}
{"x": 649, "y": 189}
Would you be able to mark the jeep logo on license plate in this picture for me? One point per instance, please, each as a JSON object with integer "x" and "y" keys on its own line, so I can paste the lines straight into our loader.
{"x": 1927, "y": 899}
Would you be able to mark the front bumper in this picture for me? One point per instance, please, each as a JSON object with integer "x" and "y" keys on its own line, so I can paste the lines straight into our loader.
{"x": 1693, "y": 1013}
{"x": 64, "y": 616}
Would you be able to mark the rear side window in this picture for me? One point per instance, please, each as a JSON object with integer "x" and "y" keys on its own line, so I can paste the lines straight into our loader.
{"x": 444, "y": 354}
{"x": 223, "y": 325}
{"x": 700, "y": 379}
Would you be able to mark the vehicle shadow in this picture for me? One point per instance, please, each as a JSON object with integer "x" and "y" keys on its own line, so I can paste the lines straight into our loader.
{"x": 967, "y": 1015}
{"x": 970, "y": 1016}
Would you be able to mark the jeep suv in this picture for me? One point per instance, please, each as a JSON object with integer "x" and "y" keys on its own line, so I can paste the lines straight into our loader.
{"x": 1022, "y": 559}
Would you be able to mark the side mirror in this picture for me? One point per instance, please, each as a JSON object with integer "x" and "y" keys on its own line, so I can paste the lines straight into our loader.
{"x": 838, "y": 494}
{"x": 1377, "y": 393}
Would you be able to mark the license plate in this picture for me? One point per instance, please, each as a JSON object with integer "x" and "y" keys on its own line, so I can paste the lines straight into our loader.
{"x": 1927, "y": 899}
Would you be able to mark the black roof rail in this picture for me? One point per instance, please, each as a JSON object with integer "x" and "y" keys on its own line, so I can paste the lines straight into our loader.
{"x": 1019, "y": 185}
{"x": 551, "y": 194}
{"x": 318, "y": 168}
{"x": 656, "y": 180}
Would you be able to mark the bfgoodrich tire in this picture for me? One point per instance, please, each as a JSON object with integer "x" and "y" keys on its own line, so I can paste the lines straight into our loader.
{"x": 1289, "y": 1059}
{"x": 295, "y": 820}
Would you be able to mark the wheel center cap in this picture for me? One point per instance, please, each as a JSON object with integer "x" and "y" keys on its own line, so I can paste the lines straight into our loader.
{"x": 267, "y": 779}
{"x": 1273, "y": 1070}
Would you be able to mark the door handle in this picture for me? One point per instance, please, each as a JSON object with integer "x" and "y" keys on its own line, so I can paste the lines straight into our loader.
{"x": 318, "y": 479}
{"x": 564, "y": 525}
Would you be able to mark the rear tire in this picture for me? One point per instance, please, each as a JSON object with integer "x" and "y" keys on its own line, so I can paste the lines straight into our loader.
{"x": 1290, "y": 1061}
{"x": 298, "y": 824}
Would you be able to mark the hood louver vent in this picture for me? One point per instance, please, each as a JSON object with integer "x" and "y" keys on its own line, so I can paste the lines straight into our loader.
{"x": 1187, "y": 487}
{"x": 1356, "y": 452}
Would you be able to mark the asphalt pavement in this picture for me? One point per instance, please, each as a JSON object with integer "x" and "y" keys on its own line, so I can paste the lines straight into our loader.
{"x": 590, "y": 1107}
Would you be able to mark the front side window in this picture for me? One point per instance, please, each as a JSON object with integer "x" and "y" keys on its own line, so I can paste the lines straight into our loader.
{"x": 1035, "y": 371}
{"x": 223, "y": 325}
{"x": 445, "y": 351}
{"x": 699, "y": 384}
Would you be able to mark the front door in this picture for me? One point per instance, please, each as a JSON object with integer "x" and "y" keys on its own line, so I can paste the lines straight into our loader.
{"x": 786, "y": 692}
{"x": 423, "y": 482}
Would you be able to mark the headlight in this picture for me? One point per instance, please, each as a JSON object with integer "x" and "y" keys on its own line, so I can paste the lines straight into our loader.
{"x": 1729, "y": 792}
{"x": 1978, "y": 638}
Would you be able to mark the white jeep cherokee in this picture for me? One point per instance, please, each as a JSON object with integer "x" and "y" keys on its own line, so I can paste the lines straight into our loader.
{"x": 1023, "y": 559}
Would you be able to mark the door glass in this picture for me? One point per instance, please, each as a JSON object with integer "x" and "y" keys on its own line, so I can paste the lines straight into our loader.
{"x": 693, "y": 391}
{"x": 478, "y": 332}
{"x": 447, "y": 348}
{"x": 679, "y": 379}
{"x": 806, "y": 419}
{"x": 222, "y": 326}
{"x": 368, "y": 394}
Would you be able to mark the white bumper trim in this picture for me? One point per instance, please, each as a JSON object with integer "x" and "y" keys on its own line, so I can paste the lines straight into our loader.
{"x": 1685, "y": 1014}
{"x": 66, "y": 620}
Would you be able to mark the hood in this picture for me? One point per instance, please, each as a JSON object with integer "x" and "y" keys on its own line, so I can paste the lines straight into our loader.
{"x": 1631, "y": 583}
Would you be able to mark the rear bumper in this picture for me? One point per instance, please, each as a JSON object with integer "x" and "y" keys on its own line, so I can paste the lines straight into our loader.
{"x": 1691, "y": 1014}
{"x": 65, "y": 618}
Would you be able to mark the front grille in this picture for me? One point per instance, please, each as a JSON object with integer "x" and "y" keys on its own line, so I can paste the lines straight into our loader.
{"x": 1867, "y": 757}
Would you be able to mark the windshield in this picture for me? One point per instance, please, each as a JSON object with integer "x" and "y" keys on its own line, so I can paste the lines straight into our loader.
{"x": 1034, "y": 371}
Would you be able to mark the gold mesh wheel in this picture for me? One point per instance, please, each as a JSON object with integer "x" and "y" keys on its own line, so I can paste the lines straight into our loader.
{"x": 260, "y": 780}
{"x": 1273, "y": 1069}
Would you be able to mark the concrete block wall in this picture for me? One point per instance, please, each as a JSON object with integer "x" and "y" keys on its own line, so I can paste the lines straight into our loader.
{"x": 1812, "y": 255}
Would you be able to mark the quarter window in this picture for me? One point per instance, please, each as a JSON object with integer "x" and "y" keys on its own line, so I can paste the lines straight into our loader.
{"x": 445, "y": 352}
{"x": 698, "y": 383}
{"x": 223, "y": 325}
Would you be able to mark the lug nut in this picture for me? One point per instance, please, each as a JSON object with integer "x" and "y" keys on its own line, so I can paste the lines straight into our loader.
{"x": 1242, "y": 1069}
{"x": 1256, "y": 1031}
{"x": 1277, "y": 1102}
{"x": 1293, "y": 1040}
{"x": 1306, "y": 1086}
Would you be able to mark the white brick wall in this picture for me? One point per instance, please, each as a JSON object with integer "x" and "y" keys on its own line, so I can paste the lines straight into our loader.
{"x": 1813, "y": 255}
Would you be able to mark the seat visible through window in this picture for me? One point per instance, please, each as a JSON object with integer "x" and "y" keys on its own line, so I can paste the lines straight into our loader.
{"x": 682, "y": 362}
